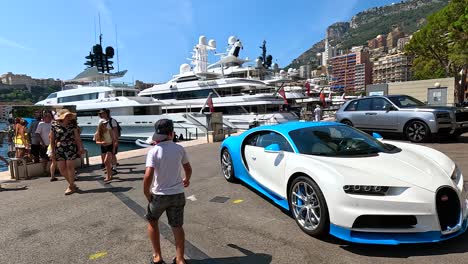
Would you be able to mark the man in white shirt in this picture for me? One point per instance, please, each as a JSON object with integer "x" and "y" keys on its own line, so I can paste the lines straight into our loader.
{"x": 42, "y": 132}
{"x": 163, "y": 186}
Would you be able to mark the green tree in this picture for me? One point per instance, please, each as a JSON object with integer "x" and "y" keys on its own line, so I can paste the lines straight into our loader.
{"x": 444, "y": 39}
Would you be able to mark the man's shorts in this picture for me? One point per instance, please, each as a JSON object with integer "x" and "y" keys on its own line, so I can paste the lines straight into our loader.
{"x": 43, "y": 153}
{"x": 172, "y": 204}
{"x": 35, "y": 150}
{"x": 108, "y": 148}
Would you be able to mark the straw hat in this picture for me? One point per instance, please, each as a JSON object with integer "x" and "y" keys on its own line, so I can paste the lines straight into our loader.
{"x": 62, "y": 113}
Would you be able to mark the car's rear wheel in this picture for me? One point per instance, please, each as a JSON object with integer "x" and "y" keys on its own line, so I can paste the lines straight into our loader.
{"x": 347, "y": 122}
{"x": 308, "y": 206}
{"x": 417, "y": 131}
{"x": 227, "y": 166}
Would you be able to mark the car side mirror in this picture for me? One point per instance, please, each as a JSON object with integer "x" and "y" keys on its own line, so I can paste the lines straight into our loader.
{"x": 377, "y": 136}
{"x": 389, "y": 107}
{"x": 273, "y": 148}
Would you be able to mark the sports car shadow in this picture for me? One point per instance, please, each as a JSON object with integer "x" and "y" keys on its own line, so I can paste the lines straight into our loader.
{"x": 250, "y": 257}
{"x": 455, "y": 245}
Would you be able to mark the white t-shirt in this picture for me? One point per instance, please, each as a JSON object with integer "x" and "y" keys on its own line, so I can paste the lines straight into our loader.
{"x": 43, "y": 129}
{"x": 167, "y": 159}
{"x": 318, "y": 114}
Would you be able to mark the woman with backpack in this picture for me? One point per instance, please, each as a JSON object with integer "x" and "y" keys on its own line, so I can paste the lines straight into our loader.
{"x": 104, "y": 139}
{"x": 115, "y": 130}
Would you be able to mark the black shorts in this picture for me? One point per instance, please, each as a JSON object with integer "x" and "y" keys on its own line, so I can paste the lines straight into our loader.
{"x": 116, "y": 150}
{"x": 35, "y": 150}
{"x": 106, "y": 149}
{"x": 173, "y": 205}
{"x": 43, "y": 153}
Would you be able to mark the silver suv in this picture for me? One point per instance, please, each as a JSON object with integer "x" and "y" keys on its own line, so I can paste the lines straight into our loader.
{"x": 403, "y": 114}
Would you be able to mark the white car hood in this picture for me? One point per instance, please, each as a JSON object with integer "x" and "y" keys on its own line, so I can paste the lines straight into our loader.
{"x": 403, "y": 169}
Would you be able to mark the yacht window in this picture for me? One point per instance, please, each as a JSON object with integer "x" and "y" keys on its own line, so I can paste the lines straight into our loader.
{"x": 78, "y": 97}
{"x": 52, "y": 95}
{"x": 129, "y": 93}
{"x": 185, "y": 95}
{"x": 118, "y": 93}
{"x": 187, "y": 79}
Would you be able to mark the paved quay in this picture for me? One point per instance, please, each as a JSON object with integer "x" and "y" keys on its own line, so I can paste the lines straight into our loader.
{"x": 224, "y": 222}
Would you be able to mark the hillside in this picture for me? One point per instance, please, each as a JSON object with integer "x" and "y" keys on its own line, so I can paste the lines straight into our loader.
{"x": 409, "y": 15}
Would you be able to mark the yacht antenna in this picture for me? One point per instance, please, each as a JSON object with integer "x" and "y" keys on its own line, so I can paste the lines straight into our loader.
{"x": 100, "y": 33}
{"x": 95, "y": 34}
{"x": 117, "y": 49}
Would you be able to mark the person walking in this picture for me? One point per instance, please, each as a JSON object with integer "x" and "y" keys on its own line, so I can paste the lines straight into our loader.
{"x": 163, "y": 187}
{"x": 34, "y": 138}
{"x": 113, "y": 125}
{"x": 318, "y": 113}
{"x": 43, "y": 132}
{"x": 104, "y": 139}
{"x": 66, "y": 146}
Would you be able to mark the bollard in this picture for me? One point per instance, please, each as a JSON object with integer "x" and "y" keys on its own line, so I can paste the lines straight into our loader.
{"x": 14, "y": 168}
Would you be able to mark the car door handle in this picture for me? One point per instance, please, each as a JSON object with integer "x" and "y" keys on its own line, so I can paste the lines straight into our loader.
{"x": 371, "y": 113}
{"x": 254, "y": 158}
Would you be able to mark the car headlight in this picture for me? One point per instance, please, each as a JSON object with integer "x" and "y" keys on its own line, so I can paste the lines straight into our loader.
{"x": 365, "y": 189}
{"x": 456, "y": 175}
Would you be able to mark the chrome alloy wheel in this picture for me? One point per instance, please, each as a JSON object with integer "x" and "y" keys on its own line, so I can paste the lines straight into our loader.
{"x": 416, "y": 131}
{"x": 306, "y": 205}
{"x": 226, "y": 165}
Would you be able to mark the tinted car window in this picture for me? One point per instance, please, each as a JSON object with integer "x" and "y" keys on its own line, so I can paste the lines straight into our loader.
{"x": 364, "y": 105}
{"x": 251, "y": 140}
{"x": 337, "y": 141}
{"x": 406, "y": 101}
{"x": 352, "y": 106}
{"x": 379, "y": 104}
{"x": 273, "y": 138}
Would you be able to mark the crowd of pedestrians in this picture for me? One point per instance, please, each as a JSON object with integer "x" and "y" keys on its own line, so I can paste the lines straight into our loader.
{"x": 57, "y": 140}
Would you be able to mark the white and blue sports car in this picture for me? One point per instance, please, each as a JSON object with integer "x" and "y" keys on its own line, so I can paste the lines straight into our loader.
{"x": 337, "y": 180}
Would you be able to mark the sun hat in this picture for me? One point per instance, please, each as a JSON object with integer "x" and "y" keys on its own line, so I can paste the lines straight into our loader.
{"x": 163, "y": 128}
{"x": 62, "y": 113}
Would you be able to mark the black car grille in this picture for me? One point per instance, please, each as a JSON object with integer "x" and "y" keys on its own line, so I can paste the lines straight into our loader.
{"x": 385, "y": 221}
{"x": 461, "y": 116}
{"x": 448, "y": 208}
{"x": 443, "y": 115}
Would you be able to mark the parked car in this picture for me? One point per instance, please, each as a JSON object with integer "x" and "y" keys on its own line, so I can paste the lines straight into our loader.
{"x": 403, "y": 114}
{"x": 338, "y": 180}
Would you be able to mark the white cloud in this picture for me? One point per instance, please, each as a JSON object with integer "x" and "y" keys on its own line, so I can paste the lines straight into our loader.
{"x": 13, "y": 44}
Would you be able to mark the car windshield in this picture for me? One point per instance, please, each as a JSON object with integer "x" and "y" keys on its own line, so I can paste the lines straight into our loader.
{"x": 405, "y": 101}
{"x": 338, "y": 140}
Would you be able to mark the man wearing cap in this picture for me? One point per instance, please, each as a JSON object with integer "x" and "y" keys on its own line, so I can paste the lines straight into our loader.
{"x": 104, "y": 114}
{"x": 163, "y": 186}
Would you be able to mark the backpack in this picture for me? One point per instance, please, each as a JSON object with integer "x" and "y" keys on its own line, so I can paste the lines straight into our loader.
{"x": 119, "y": 129}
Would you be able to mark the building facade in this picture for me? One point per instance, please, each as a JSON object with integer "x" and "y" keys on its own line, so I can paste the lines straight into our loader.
{"x": 392, "y": 68}
{"x": 350, "y": 72}
{"x": 16, "y": 79}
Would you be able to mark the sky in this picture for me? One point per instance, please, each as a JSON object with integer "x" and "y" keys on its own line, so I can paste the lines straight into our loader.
{"x": 49, "y": 39}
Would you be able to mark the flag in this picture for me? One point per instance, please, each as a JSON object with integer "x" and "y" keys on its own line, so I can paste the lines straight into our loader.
{"x": 307, "y": 86}
{"x": 322, "y": 99}
{"x": 283, "y": 94}
{"x": 209, "y": 102}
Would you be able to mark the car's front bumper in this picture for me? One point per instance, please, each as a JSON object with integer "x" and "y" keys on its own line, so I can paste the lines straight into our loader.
{"x": 393, "y": 238}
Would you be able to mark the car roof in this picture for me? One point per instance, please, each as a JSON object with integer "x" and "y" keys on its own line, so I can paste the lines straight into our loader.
{"x": 289, "y": 126}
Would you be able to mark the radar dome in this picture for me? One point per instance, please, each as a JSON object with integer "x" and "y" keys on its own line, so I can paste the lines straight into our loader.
{"x": 290, "y": 70}
{"x": 232, "y": 40}
{"x": 282, "y": 73}
{"x": 202, "y": 40}
{"x": 212, "y": 43}
{"x": 275, "y": 66}
{"x": 184, "y": 68}
{"x": 259, "y": 63}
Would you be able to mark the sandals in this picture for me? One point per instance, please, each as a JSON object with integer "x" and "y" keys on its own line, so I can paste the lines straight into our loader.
{"x": 71, "y": 190}
{"x": 159, "y": 262}
{"x": 175, "y": 262}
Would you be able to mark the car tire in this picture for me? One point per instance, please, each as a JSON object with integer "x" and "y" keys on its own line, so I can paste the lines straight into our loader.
{"x": 316, "y": 223}
{"x": 347, "y": 122}
{"x": 417, "y": 131}
{"x": 227, "y": 166}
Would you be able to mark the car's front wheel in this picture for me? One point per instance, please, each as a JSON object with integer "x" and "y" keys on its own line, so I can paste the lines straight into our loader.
{"x": 227, "y": 166}
{"x": 347, "y": 122}
{"x": 308, "y": 206}
{"x": 417, "y": 131}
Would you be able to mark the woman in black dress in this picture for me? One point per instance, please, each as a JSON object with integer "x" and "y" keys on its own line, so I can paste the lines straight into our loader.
{"x": 66, "y": 146}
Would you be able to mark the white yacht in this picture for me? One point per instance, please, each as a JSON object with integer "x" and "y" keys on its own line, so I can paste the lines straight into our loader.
{"x": 136, "y": 115}
{"x": 241, "y": 100}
